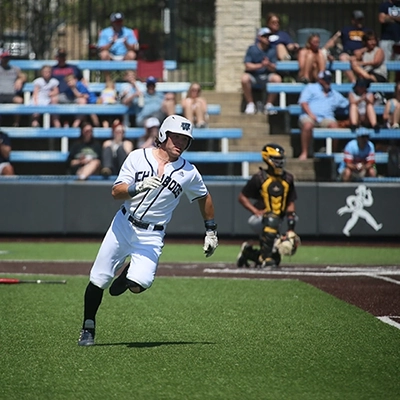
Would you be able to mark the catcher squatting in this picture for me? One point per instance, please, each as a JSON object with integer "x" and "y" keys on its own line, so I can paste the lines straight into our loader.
{"x": 151, "y": 182}
{"x": 274, "y": 193}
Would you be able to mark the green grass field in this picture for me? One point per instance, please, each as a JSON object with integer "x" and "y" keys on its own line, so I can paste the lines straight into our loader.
{"x": 188, "y": 338}
{"x": 226, "y": 253}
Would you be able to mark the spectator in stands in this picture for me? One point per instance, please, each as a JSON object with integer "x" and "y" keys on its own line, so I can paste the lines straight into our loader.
{"x": 45, "y": 88}
{"x": 194, "y": 106}
{"x": 84, "y": 158}
{"x": 130, "y": 90}
{"x": 361, "y": 110}
{"x": 5, "y": 149}
{"x": 11, "y": 82}
{"x": 351, "y": 40}
{"x": 115, "y": 150}
{"x": 286, "y": 48}
{"x": 260, "y": 66}
{"x": 391, "y": 113}
{"x": 319, "y": 103}
{"x": 108, "y": 95}
{"x": 369, "y": 61}
{"x": 78, "y": 93}
{"x": 359, "y": 158}
{"x": 312, "y": 60}
{"x": 151, "y": 133}
{"x": 389, "y": 18}
{"x": 155, "y": 104}
{"x": 117, "y": 42}
{"x": 60, "y": 71}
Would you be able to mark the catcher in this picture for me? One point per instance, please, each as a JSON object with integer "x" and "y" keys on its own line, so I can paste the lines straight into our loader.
{"x": 274, "y": 194}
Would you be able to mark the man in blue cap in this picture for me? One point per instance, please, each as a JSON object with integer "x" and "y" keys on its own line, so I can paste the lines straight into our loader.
{"x": 155, "y": 104}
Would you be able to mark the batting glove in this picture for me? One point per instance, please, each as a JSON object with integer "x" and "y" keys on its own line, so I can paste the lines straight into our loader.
{"x": 149, "y": 183}
{"x": 210, "y": 243}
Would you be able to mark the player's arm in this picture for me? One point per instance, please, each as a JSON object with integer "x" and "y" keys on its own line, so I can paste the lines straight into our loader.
{"x": 248, "y": 205}
{"x": 125, "y": 191}
{"x": 207, "y": 211}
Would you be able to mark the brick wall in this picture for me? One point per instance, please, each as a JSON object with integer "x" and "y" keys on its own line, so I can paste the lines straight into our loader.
{"x": 236, "y": 25}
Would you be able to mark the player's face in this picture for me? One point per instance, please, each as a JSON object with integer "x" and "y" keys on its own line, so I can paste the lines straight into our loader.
{"x": 176, "y": 144}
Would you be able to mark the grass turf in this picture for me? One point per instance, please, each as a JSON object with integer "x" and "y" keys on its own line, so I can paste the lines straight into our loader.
{"x": 195, "y": 339}
{"x": 226, "y": 253}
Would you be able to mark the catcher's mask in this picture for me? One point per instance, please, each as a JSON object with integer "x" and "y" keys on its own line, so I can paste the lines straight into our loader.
{"x": 274, "y": 156}
{"x": 175, "y": 124}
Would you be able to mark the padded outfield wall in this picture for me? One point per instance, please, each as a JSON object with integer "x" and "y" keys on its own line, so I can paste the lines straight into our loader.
{"x": 86, "y": 208}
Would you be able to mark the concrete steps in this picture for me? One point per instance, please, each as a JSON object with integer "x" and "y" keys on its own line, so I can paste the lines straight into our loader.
{"x": 256, "y": 133}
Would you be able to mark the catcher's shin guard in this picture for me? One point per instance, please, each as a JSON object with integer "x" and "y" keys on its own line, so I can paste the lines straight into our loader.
{"x": 267, "y": 240}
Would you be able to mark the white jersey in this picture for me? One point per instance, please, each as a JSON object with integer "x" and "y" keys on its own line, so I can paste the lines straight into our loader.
{"x": 45, "y": 87}
{"x": 156, "y": 206}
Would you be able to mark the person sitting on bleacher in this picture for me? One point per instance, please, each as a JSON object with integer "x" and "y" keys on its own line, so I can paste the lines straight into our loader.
{"x": 60, "y": 71}
{"x": 359, "y": 158}
{"x": 319, "y": 103}
{"x": 5, "y": 149}
{"x": 117, "y": 42}
{"x": 260, "y": 66}
{"x": 194, "y": 106}
{"x": 369, "y": 61}
{"x": 312, "y": 59}
{"x": 361, "y": 110}
{"x": 391, "y": 113}
{"x": 11, "y": 82}
{"x": 151, "y": 127}
{"x": 351, "y": 40}
{"x": 84, "y": 158}
{"x": 155, "y": 104}
{"x": 115, "y": 150}
{"x": 286, "y": 48}
{"x": 45, "y": 88}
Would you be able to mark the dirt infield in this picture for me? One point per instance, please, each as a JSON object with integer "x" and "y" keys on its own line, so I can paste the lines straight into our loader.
{"x": 374, "y": 289}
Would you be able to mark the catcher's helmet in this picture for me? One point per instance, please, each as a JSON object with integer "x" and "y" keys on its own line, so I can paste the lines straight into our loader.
{"x": 274, "y": 156}
{"x": 175, "y": 124}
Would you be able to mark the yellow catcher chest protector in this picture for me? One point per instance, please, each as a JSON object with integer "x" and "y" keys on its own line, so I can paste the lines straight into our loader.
{"x": 274, "y": 192}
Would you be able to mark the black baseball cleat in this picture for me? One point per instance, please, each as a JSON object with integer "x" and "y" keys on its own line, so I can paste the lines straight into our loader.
{"x": 86, "y": 337}
{"x": 241, "y": 260}
{"x": 120, "y": 284}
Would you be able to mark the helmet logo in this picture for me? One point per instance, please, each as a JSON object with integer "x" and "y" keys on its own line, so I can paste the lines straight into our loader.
{"x": 185, "y": 126}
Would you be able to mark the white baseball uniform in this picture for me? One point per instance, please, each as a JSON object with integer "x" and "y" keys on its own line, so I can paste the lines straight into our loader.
{"x": 138, "y": 228}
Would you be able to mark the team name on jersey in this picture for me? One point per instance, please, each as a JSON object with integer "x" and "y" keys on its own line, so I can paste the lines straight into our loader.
{"x": 167, "y": 182}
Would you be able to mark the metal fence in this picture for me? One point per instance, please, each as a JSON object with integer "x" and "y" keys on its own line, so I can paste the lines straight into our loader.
{"x": 182, "y": 30}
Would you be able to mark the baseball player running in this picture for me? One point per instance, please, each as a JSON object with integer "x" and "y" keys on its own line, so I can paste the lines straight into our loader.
{"x": 274, "y": 193}
{"x": 151, "y": 181}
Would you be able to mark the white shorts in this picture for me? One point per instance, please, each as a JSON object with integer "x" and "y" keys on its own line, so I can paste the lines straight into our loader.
{"x": 124, "y": 240}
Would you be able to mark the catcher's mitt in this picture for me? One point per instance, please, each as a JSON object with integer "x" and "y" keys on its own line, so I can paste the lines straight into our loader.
{"x": 287, "y": 244}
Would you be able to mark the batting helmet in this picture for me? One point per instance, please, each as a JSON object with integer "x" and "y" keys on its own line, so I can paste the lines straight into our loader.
{"x": 274, "y": 156}
{"x": 175, "y": 124}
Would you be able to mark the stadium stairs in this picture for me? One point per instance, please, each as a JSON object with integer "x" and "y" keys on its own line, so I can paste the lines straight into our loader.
{"x": 256, "y": 133}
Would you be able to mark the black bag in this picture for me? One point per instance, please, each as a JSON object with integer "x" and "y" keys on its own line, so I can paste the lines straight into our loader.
{"x": 393, "y": 166}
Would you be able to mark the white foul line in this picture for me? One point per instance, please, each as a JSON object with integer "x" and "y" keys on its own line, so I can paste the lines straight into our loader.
{"x": 389, "y": 321}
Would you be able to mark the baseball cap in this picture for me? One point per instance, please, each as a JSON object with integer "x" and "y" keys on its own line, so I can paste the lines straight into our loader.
{"x": 151, "y": 80}
{"x": 358, "y": 14}
{"x": 325, "y": 75}
{"x": 152, "y": 122}
{"x": 362, "y": 132}
{"x": 5, "y": 54}
{"x": 264, "y": 31}
{"x": 116, "y": 16}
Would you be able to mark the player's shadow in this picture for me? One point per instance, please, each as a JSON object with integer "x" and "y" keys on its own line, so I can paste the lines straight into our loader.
{"x": 139, "y": 345}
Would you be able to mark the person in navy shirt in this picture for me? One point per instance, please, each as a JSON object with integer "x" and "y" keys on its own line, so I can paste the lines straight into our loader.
{"x": 389, "y": 18}
{"x": 286, "y": 48}
{"x": 359, "y": 158}
{"x": 260, "y": 66}
{"x": 319, "y": 103}
{"x": 351, "y": 39}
